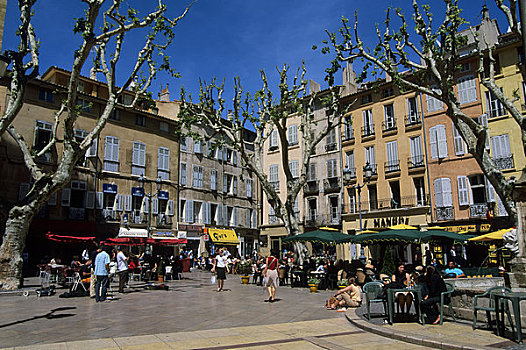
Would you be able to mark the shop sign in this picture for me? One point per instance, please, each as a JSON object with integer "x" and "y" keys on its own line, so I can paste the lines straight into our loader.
{"x": 133, "y": 232}
{"x": 137, "y": 191}
{"x": 387, "y": 222}
{"x": 469, "y": 228}
{"x": 181, "y": 234}
{"x": 206, "y": 237}
{"x": 164, "y": 235}
{"x": 191, "y": 228}
{"x": 163, "y": 195}
{"x": 109, "y": 188}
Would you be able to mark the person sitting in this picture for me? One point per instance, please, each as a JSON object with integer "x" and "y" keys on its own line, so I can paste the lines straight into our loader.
{"x": 403, "y": 280}
{"x": 322, "y": 267}
{"x": 454, "y": 270}
{"x": 349, "y": 296}
{"x": 435, "y": 286}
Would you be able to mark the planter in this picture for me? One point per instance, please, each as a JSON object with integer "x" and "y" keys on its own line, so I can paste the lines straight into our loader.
{"x": 244, "y": 279}
{"x": 160, "y": 278}
{"x": 313, "y": 288}
{"x": 341, "y": 287}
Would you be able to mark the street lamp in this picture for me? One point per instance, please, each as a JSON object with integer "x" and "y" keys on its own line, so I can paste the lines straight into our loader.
{"x": 367, "y": 174}
{"x": 158, "y": 184}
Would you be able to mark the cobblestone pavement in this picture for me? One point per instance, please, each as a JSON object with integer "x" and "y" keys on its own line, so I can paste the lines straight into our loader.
{"x": 191, "y": 314}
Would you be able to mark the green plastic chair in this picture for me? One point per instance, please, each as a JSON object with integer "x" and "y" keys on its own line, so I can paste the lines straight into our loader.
{"x": 450, "y": 290}
{"x": 372, "y": 291}
{"x": 491, "y": 308}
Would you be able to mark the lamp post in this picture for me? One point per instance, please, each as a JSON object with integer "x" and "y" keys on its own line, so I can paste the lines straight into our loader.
{"x": 158, "y": 184}
{"x": 367, "y": 174}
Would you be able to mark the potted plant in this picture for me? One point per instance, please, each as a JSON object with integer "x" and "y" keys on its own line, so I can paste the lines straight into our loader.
{"x": 342, "y": 283}
{"x": 313, "y": 283}
{"x": 245, "y": 270}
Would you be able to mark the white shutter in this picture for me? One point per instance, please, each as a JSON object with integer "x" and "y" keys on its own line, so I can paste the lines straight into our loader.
{"x": 23, "y": 190}
{"x": 90, "y": 200}
{"x": 490, "y": 191}
{"x": 254, "y": 219}
{"x": 439, "y": 200}
{"x": 460, "y": 145}
{"x": 225, "y": 183}
{"x": 207, "y": 213}
{"x": 189, "y": 211}
{"x": 170, "y": 207}
{"x": 99, "y": 200}
{"x": 433, "y": 141}
{"x": 213, "y": 179}
{"x": 446, "y": 192}
{"x": 127, "y": 202}
{"x": 183, "y": 174}
{"x": 145, "y": 205}
{"x": 234, "y": 185}
{"x": 155, "y": 206}
{"x": 225, "y": 216}
{"x": 463, "y": 190}
{"x": 236, "y": 217}
{"x": 294, "y": 168}
{"x": 392, "y": 153}
{"x": 249, "y": 188}
{"x": 66, "y": 196}
{"x": 501, "y": 208}
{"x": 118, "y": 204}
{"x": 219, "y": 215}
{"x": 92, "y": 149}
{"x": 416, "y": 148}
{"x": 234, "y": 157}
{"x": 483, "y": 120}
{"x": 442, "y": 141}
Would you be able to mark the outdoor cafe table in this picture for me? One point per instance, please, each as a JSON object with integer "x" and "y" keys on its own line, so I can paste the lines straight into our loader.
{"x": 515, "y": 298}
{"x": 417, "y": 292}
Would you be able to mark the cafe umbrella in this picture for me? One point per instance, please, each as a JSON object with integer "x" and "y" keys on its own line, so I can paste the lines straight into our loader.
{"x": 439, "y": 235}
{"x": 321, "y": 236}
{"x": 397, "y": 236}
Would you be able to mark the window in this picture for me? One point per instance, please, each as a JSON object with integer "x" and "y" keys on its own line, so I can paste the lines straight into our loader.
{"x": 349, "y": 163}
{"x": 138, "y": 158}
{"x": 313, "y": 209}
{"x": 393, "y": 164}
{"x": 443, "y": 197}
{"x": 111, "y": 154}
{"x": 463, "y": 190}
{"x": 229, "y": 184}
{"x": 467, "y": 91}
{"x": 332, "y": 168}
{"x": 465, "y": 67}
{"x": 373, "y": 197}
{"x": 213, "y": 179}
{"x": 367, "y": 99}
{"x": 183, "y": 144}
{"x": 415, "y": 146}
{"x": 370, "y": 158}
{"x": 477, "y": 184}
{"x": 43, "y": 132}
{"x": 433, "y": 104}
{"x": 84, "y": 105}
{"x": 234, "y": 185}
{"x": 368, "y": 127}
{"x": 412, "y": 111}
{"x": 198, "y": 176}
{"x": 272, "y": 218}
{"x": 249, "y": 184}
{"x": 273, "y": 176}
{"x": 198, "y": 149}
{"x": 234, "y": 158}
{"x": 45, "y": 95}
{"x": 294, "y": 168}
{"x": 164, "y": 127}
{"x": 483, "y": 120}
{"x": 274, "y": 139}
{"x": 297, "y": 208}
{"x": 331, "y": 140}
{"x": 495, "y": 108}
{"x": 419, "y": 191}
{"x": 438, "y": 141}
{"x": 348, "y": 132}
{"x": 352, "y": 200}
{"x": 163, "y": 163}
{"x": 311, "y": 174}
{"x": 210, "y": 149}
{"x": 140, "y": 120}
{"x": 387, "y": 92}
{"x": 183, "y": 174}
{"x": 115, "y": 114}
{"x": 390, "y": 122}
{"x": 292, "y": 135}
{"x": 501, "y": 152}
{"x": 460, "y": 145}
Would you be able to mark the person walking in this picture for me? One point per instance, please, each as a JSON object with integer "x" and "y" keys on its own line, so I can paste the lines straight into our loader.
{"x": 122, "y": 270}
{"x": 220, "y": 267}
{"x": 93, "y": 279}
{"x": 102, "y": 269}
{"x": 271, "y": 274}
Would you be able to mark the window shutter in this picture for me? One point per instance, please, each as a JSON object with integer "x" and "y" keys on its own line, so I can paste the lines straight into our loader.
{"x": 118, "y": 203}
{"x": 463, "y": 193}
{"x": 219, "y": 153}
{"x": 145, "y": 205}
{"x": 249, "y": 188}
{"x": 236, "y": 217}
{"x": 460, "y": 145}
{"x": 447, "y": 194}
{"x": 99, "y": 200}
{"x": 219, "y": 214}
{"x": 92, "y": 149}
{"x": 433, "y": 140}
{"x": 170, "y": 207}
{"x": 213, "y": 179}
{"x": 501, "y": 208}
{"x": 66, "y": 196}
{"x": 254, "y": 219}
{"x": 90, "y": 200}
{"x": 225, "y": 216}
{"x": 23, "y": 190}
{"x": 234, "y": 157}
{"x": 442, "y": 141}
{"x": 183, "y": 174}
{"x": 490, "y": 191}
{"x": 225, "y": 183}
{"x": 483, "y": 120}
{"x": 439, "y": 200}
{"x": 234, "y": 184}
{"x": 155, "y": 206}
{"x": 190, "y": 211}
{"x": 127, "y": 202}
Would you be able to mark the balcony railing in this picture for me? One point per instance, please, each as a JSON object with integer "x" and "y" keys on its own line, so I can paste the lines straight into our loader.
{"x": 445, "y": 213}
{"x": 311, "y": 187}
{"x": 368, "y": 130}
{"x": 331, "y": 146}
{"x": 497, "y": 112}
{"x": 76, "y": 213}
{"x": 335, "y": 216}
{"x": 389, "y": 125}
{"x": 392, "y": 165}
{"x": 110, "y": 215}
{"x": 412, "y": 120}
{"x": 347, "y": 136}
{"x": 137, "y": 217}
{"x": 478, "y": 210}
{"x": 388, "y": 204}
{"x": 504, "y": 162}
{"x": 331, "y": 184}
{"x": 163, "y": 220}
{"x": 415, "y": 162}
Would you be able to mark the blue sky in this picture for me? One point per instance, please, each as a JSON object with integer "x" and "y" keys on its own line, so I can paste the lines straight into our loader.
{"x": 227, "y": 38}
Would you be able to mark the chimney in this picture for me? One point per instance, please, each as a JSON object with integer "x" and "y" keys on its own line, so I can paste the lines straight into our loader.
{"x": 314, "y": 87}
{"x": 165, "y": 94}
{"x": 349, "y": 80}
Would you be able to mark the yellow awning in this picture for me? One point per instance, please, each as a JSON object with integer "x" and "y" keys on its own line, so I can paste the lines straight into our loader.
{"x": 223, "y": 236}
{"x": 402, "y": 227}
{"x": 491, "y": 236}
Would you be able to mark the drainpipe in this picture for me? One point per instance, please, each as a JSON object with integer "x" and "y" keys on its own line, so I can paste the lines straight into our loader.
{"x": 425, "y": 153}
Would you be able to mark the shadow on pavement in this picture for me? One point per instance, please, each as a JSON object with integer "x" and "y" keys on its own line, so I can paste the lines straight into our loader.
{"x": 49, "y": 315}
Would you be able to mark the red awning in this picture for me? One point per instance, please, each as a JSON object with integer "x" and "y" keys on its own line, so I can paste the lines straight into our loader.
{"x": 69, "y": 239}
{"x": 142, "y": 241}
{"x": 166, "y": 241}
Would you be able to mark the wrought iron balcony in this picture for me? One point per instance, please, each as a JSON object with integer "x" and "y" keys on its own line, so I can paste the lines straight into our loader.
{"x": 504, "y": 162}
{"x": 445, "y": 213}
{"x": 331, "y": 147}
{"x": 331, "y": 184}
{"x": 335, "y": 216}
{"x": 137, "y": 217}
{"x": 311, "y": 187}
{"x": 389, "y": 126}
{"x": 163, "y": 220}
{"x": 478, "y": 210}
{"x": 412, "y": 120}
{"x": 368, "y": 130}
{"x": 392, "y": 166}
{"x": 347, "y": 136}
{"x": 497, "y": 112}
{"x": 110, "y": 215}
{"x": 415, "y": 162}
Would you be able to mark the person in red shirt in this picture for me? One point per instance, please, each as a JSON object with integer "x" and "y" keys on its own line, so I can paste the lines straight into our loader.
{"x": 270, "y": 273}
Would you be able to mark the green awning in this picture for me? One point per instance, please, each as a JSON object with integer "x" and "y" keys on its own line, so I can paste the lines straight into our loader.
{"x": 321, "y": 236}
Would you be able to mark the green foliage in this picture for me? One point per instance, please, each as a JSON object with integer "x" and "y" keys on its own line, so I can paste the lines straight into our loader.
{"x": 244, "y": 268}
{"x": 313, "y": 280}
{"x": 388, "y": 266}
{"x": 343, "y": 283}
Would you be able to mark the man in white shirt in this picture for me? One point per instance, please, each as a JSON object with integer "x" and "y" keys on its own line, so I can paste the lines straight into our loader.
{"x": 122, "y": 266}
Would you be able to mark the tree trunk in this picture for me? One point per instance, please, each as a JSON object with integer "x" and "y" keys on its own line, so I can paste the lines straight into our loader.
{"x": 13, "y": 244}
{"x": 293, "y": 228}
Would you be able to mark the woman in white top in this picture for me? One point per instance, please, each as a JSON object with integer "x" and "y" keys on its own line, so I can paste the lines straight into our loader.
{"x": 220, "y": 267}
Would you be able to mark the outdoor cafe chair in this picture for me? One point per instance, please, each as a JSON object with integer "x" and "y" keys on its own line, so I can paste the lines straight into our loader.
{"x": 372, "y": 292}
{"x": 450, "y": 289}
{"x": 491, "y": 305}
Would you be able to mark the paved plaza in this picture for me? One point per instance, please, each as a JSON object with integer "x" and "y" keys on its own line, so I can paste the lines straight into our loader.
{"x": 192, "y": 315}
